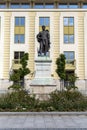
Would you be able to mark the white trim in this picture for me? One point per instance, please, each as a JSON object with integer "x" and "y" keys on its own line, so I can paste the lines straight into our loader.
{"x": 44, "y": 10}
{"x": 19, "y": 47}
{"x": 70, "y": 47}
{"x": 2, "y": 45}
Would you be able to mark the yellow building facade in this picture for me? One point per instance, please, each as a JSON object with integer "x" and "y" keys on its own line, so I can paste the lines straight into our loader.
{"x": 20, "y": 22}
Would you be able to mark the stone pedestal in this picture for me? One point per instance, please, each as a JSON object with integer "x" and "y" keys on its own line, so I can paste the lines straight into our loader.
{"x": 43, "y": 67}
{"x": 43, "y": 82}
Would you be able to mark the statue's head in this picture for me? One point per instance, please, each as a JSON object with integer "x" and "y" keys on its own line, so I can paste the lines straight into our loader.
{"x": 43, "y": 27}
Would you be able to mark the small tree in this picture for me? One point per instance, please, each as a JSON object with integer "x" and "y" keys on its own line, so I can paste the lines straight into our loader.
{"x": 60, "y": 62}
{"x": 72, "y": 79}
{"x": 24, "y": 70}
{"x": 18, "y": 76}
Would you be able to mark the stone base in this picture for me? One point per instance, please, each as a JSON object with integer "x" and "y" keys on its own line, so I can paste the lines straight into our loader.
{"x": 82, "y": 85}
{"x": 43, "y": 82}
{"x": 4, "y": 84}
{"x": 42, "y": 90}
{"x": 42, "y": 86}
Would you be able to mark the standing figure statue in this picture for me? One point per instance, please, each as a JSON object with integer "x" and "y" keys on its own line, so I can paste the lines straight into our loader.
{"x": 44, "y": 39}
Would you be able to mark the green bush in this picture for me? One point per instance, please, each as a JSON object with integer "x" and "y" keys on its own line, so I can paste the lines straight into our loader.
{"x": 18, "y": 101}
{"x": 58, "y": 101}
{"x": 68, "y": 101}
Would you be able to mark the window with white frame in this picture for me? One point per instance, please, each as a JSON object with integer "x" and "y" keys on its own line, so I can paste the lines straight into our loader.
{"x": 68, "y": 27}
{"x": 44, "y": 21}
{"x": 70, "y": 56}
{"x": 19, "y": 36}
{"x": 17, "y": 56}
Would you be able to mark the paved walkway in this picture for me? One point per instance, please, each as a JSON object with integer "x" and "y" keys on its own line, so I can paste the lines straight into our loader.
{"x": 43, "y": 121}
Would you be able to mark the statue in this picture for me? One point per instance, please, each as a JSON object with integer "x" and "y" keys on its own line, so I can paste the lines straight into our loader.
{"x": 44, "y": 39}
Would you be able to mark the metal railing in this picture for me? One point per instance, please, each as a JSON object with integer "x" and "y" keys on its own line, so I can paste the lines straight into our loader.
{"x": 68, "y": 83}
{"x": 16, "y": 64}
{"x": 16, "y": 61}
{"x": 72, "y": 62}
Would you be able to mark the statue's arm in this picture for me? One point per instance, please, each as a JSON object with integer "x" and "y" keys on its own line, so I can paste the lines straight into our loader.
{"x": 49, "y": 37}
{"x": 39, "y": 37}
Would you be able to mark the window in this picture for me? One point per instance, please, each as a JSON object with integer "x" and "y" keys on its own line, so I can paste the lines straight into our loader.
{"x": 20, "y": 21}
{"x": 73, "y": 6}
{"x": 63, "y": 6}
{"x": 19, "y": 38}
{"x": 84, "y": 5}
{"x": 39, "y": 6}
{"x": 68, "y": 74}
{"x": 44, "y": 21}
{"x": 2, "y": 5}
{"x": 49, "y": 6}
{"x": 42, "y": 6}
{"x": 18, "y": 5}
{"x": 69, "y": 55}
{"x": 18, "y": 55}
{"x": 15, "y": 5}
{"x": 25, "y": 5}
{"x": 68, "y": 29}
{"x": 19, "y": 30}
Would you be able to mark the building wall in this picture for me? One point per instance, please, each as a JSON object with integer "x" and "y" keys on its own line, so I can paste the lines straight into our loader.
{"x": 81, "y": 60}
{"x": 32, "y": 43}
{"x": 56, "y": 41}
{"x": 56, "y": 32}
{"x": 7, "y": 33}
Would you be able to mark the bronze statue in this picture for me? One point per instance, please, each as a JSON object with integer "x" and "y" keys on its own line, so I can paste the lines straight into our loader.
{"x": 44, "y": 39}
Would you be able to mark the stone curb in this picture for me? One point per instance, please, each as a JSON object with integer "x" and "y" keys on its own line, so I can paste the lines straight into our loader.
{"x": 43, "y": 113}
{"x": 43, "y": 129}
